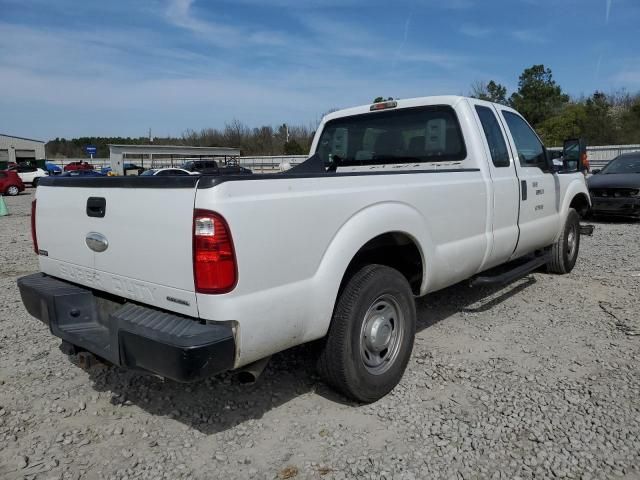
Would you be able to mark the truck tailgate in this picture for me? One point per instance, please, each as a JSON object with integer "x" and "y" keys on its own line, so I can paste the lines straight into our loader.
{"x": 148, "y": 230}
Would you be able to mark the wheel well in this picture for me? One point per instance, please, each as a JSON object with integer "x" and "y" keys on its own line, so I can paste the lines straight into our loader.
{"x": 393, "y": 249}
{"x": 581, "y": 204}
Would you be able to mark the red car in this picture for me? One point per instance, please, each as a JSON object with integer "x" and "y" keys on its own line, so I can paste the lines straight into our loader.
{"x": 75, "y": 166}
{"x": 10, "y": 183}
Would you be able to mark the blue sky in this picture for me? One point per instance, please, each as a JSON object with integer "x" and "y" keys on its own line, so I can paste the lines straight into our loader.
{"x": 80, "y": 68}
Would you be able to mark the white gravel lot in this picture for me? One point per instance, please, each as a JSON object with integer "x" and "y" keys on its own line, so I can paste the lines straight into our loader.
{"x": 536, "y": 380}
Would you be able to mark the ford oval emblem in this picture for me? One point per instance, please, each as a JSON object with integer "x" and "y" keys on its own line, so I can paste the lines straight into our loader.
{"x": 96, "y": 242}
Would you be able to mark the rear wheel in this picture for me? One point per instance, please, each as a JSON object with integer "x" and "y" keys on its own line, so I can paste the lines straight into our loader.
{"x": 371, "y": 335}
{"x": 34, "y": 184}
{"x": 12, "y": 191}
{"x": 564, "y": 252}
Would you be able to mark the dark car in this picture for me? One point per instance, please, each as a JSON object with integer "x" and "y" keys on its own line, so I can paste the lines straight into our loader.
{"x": 127, "y": 167}
{"x": 615, "y": 190}
{"x": 10, "y": 183}
{"x": 82, "y": 173}
{"x": 211, "y": 167}
{"x": 200, "y": 165}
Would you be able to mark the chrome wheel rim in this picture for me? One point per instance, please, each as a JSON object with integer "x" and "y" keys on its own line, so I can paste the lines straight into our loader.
{"x": 572, "y": 240}
{"x": 381, "y": 334}
{"x": 12, "y": 190}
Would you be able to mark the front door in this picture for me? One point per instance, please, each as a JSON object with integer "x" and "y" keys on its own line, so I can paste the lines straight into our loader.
{"x": 539, "y": 218}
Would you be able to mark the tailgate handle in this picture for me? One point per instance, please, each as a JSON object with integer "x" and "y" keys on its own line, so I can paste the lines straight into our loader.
{"x": 96, "y": 207}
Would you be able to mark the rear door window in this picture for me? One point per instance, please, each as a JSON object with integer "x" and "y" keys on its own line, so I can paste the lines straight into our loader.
{"x": 494, "y": 136}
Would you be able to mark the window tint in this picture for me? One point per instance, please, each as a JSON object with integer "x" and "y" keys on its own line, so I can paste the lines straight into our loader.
{"x": 495, "y": 139}
{"x": 424, "y": 134}
{"x": 530, "y": 150}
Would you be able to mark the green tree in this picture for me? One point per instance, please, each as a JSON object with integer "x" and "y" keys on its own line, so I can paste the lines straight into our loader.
{"x": 382, "y": 99}
{"x": 538, "y": 97}
{"x": 630, "y": 124}
{"x": 569, "y": 123}
{"x": 599, "y": 127}
{"x": 293, "y": 148}
{"x": 492, "y": 92}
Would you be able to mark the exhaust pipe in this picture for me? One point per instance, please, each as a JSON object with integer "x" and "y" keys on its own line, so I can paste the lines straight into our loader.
{"x": 249, "y": 374}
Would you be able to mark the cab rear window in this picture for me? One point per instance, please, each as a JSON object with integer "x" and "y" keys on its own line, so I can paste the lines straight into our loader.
{"x": 422, "y": 134}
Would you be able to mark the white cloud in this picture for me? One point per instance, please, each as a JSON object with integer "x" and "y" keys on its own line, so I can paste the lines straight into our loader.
{"x": 180, "y": 13}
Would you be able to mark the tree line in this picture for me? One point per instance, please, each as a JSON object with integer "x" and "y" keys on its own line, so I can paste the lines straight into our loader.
{"x": 265, "y": 140}
{"x": 601, "y": 119}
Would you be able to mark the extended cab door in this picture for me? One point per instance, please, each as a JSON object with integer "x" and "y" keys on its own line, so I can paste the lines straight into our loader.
{"x": 504, "y": 184}
{"x": 539, "y": 192}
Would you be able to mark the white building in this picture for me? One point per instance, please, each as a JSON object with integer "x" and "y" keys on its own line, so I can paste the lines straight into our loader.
{"x": 18, "y": 149}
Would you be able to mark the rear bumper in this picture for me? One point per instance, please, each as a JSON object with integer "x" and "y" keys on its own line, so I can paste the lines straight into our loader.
{"x": 623, "y": 207}
{"x": 127, "y": 334}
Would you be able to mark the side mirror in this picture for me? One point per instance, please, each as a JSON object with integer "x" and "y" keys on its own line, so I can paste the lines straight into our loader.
{"x": 574, "y": 155}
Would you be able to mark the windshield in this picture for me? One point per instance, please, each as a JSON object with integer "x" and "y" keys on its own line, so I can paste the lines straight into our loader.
{"x": 425, "y": 134}
{"x": 148, "y": 172}
{"x": 627, "y": 164}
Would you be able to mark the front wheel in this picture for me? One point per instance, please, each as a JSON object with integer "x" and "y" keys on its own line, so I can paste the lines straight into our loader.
{"x": 34, "y": 184}
{"x": 564, "y": 252}
{"x": 371, "y": 335}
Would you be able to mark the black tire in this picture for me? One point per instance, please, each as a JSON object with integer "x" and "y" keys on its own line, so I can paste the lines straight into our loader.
{"x": 347, "y": 359}
{"x": 34, "y": 184}
{"x": 564, "y": 252}
{"x": 12, "y": 191}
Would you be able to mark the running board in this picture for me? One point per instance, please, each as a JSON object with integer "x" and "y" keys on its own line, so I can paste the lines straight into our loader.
{"x": 513, "y": 274}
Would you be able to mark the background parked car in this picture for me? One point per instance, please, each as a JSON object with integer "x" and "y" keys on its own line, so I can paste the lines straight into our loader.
{"x": 10, "y": 183}
{"x": 52, "y": 168}
{"x": 128, "y": 167}
{"x": 165, "y": 172}
{"x": 29, "y": 174}
{"x": 75, "y": 166}
{"x": 83, "y": 173}
{"x": 615, "y": 190}
{"x": 211, "y": 167}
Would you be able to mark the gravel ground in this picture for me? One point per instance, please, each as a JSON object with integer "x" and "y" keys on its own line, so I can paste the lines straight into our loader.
{"x": 536, "y": 380}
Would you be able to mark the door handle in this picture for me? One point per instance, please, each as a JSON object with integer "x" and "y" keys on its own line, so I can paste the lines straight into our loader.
{"x": 96, "y": 207}
{"x": 523, "y": 189}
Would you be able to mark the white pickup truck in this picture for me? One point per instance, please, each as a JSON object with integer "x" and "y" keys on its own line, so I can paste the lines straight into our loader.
{"x": 190, "y": 276}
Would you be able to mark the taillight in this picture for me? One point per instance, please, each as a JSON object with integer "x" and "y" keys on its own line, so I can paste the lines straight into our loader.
{"x": 214, "y": 260}
{"x": 34, "y": 236}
